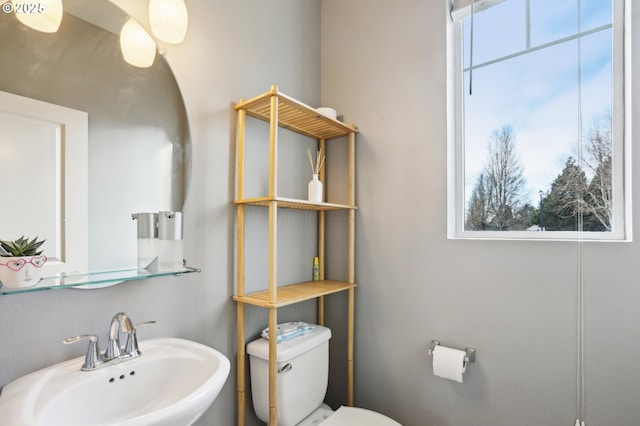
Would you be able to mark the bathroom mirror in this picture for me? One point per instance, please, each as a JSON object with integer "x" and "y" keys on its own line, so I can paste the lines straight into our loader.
{"x": 138, "y": 156}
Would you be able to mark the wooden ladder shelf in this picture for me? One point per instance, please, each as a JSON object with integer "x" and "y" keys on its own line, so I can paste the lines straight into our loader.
{"x": 283, "y": 112}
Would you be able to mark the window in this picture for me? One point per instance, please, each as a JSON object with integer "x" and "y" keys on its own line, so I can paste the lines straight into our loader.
{"x": 536, "y": 120}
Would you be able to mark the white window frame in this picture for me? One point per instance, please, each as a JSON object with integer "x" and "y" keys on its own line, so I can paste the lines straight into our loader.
{"x": 621, "y": 127}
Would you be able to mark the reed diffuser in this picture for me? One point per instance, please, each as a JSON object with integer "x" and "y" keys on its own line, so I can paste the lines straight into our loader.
{"x": 315, "y": 186}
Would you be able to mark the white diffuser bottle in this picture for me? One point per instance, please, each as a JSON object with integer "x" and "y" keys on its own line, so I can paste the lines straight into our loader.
{"x": 315, "y": 186}
{"x": 315, "y": 189}
{"x": 147, "y": 238}
{"x": 170, "y": 242}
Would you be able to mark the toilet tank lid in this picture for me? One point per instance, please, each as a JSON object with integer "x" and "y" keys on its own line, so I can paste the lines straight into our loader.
{"x": 289, "y": 349}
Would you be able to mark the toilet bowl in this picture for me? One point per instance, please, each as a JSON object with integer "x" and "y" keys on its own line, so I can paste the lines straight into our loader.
{"x": 320, "y": 414}
{"x": 302, "y": 378}
{"x": 353, "y": 416}
{"x": 346, "y": 416}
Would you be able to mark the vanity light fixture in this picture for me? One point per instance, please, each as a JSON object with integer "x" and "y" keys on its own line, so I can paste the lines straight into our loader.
{"x": 137, "y": 46}
{"x": 168, "y": 20}
{"x": 44, "y": 15}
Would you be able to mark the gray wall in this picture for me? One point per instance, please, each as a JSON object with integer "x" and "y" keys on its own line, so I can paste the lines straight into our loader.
{"x": 383, "y": 66}
{"x": 234, "y": 49}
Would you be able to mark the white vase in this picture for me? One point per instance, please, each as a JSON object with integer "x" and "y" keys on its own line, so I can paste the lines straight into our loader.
{"x": 21, "y": 272}
{"x": 315, "y": 189}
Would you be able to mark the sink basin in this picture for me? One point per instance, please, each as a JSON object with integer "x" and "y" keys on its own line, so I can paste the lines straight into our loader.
{"x": 171, "y": 384}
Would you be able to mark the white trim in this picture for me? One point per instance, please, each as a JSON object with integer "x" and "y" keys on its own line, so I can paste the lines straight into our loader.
{"x": 624, "y": 17}
{"x": 74, "y": 213}
{"x": 452, "y": 59}
{"x": 459, "y": 12}
{"x": 539, "y": 236}
{"x": 621, "y": 124}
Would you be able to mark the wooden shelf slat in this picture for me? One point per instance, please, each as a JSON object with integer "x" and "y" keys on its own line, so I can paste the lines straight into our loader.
{"x": 295, "y": 293}
{"x": 296, "y": 116}
{"x": 292, "y": 203}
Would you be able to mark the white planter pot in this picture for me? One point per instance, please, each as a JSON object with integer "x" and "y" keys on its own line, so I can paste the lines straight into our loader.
{"x": 21, "y": 272}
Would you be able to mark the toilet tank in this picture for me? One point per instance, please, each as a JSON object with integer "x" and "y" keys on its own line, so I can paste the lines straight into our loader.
{"x": 303, "y": 371}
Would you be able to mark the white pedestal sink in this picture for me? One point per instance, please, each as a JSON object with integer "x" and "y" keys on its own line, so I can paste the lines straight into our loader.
{"x": 171, "y": 384}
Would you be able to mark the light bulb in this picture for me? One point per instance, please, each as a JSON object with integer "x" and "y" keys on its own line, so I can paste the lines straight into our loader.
{"x": 44, "y": 15}
{"x": 137, "y": 46}
{"x": 168, "y": 20}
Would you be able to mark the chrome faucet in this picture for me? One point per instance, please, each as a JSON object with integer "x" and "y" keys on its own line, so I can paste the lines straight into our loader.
{"x": 114, "y": 349}
{"x": 114, "y": 353}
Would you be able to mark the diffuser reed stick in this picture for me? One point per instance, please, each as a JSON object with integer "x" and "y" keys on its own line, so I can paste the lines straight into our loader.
{"x": 315, "y": 169}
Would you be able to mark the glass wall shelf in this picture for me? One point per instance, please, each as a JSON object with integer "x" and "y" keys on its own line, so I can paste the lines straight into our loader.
{"x": 95, "y": 279}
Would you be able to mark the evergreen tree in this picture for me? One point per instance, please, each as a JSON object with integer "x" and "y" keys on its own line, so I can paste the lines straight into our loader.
{"x": 573, "y": 195}
{"x": 598, "y": 199}
{"x": 562, "y": 204}
{"x": 477, "y": 214}
{"x": 498, "y": 200}
{"x": 524, "y": 218}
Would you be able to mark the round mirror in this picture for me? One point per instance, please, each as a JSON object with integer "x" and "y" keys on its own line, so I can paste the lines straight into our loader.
{"x": 137, "y": 154}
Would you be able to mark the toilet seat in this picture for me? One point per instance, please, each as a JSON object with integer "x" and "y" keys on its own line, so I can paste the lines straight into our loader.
{"x": 318, "y": 416}
{"x": 352, "y": 416}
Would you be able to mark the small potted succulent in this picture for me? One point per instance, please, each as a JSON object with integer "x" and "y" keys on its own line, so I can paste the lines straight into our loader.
{"x": 21, "y": 262}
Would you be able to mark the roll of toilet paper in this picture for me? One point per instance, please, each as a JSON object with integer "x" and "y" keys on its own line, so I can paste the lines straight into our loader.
{"x": 328, "y": 112}
{"x": 449, "y": 363}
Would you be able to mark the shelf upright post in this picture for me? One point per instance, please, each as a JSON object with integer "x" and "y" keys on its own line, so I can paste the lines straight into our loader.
{"x": 240, "y": 241}
{"x": 273, "y": 144}
{"x": 351, "y": 265}
{"x": 321, "y": 230}
{"x": 273, "y": 245}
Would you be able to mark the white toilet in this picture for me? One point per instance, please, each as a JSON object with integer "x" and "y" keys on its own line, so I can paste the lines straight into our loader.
{"x": 303, "y": 371}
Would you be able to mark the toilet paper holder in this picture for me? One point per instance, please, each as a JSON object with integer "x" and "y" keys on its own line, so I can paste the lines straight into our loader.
{"x": 469, "y": 357}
